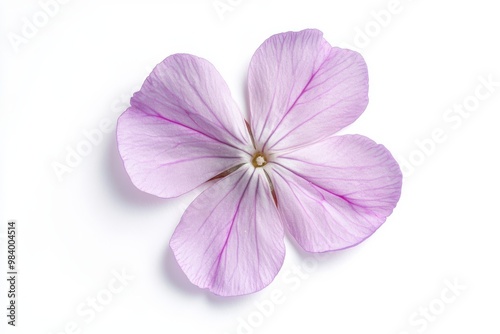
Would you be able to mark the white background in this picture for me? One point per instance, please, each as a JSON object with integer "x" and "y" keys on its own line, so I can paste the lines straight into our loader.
{"x": 81, "y": 68}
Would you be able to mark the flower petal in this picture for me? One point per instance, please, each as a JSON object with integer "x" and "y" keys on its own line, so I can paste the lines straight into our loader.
{"x": 301, "y": 89}
{"x": 230, "y": 239}
{"x": 182, "y": 129}
{"x": 336, "y": 193}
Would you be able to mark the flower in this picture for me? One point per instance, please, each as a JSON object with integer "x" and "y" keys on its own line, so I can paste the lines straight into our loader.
{"x": 279, "y": 170}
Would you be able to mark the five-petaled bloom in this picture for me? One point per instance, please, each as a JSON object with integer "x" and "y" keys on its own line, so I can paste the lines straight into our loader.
{"x": 280, "y": 169}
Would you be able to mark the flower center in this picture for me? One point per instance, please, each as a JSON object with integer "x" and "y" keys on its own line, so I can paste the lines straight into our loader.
{"x": 259, "y": 160}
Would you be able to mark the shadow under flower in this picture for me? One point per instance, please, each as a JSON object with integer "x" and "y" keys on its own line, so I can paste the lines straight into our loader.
{"x": 324, "y": 258}
{"x": 175, "y": 276}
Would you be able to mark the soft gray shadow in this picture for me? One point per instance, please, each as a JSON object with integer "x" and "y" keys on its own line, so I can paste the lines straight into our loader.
{"x": 175, "y": 276}
{"x": 326, "y": 258}
{"x": 124, "y": 189}
{"x": 120, "y": 182}
{"x": 228, "y": 302}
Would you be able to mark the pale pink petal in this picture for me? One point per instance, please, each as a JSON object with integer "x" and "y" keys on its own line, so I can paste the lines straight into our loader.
{"x": 301, "y": 89}
{"x": 182, "y": 129}
{"x": 230, "y": 239}
{"x": 336, "y": 193}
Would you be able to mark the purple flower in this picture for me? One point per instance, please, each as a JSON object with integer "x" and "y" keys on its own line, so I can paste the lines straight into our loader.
{"x": 280, "y": 170}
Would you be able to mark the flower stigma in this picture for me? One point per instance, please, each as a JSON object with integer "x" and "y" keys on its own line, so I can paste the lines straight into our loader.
{"x": 259, "y": 160}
